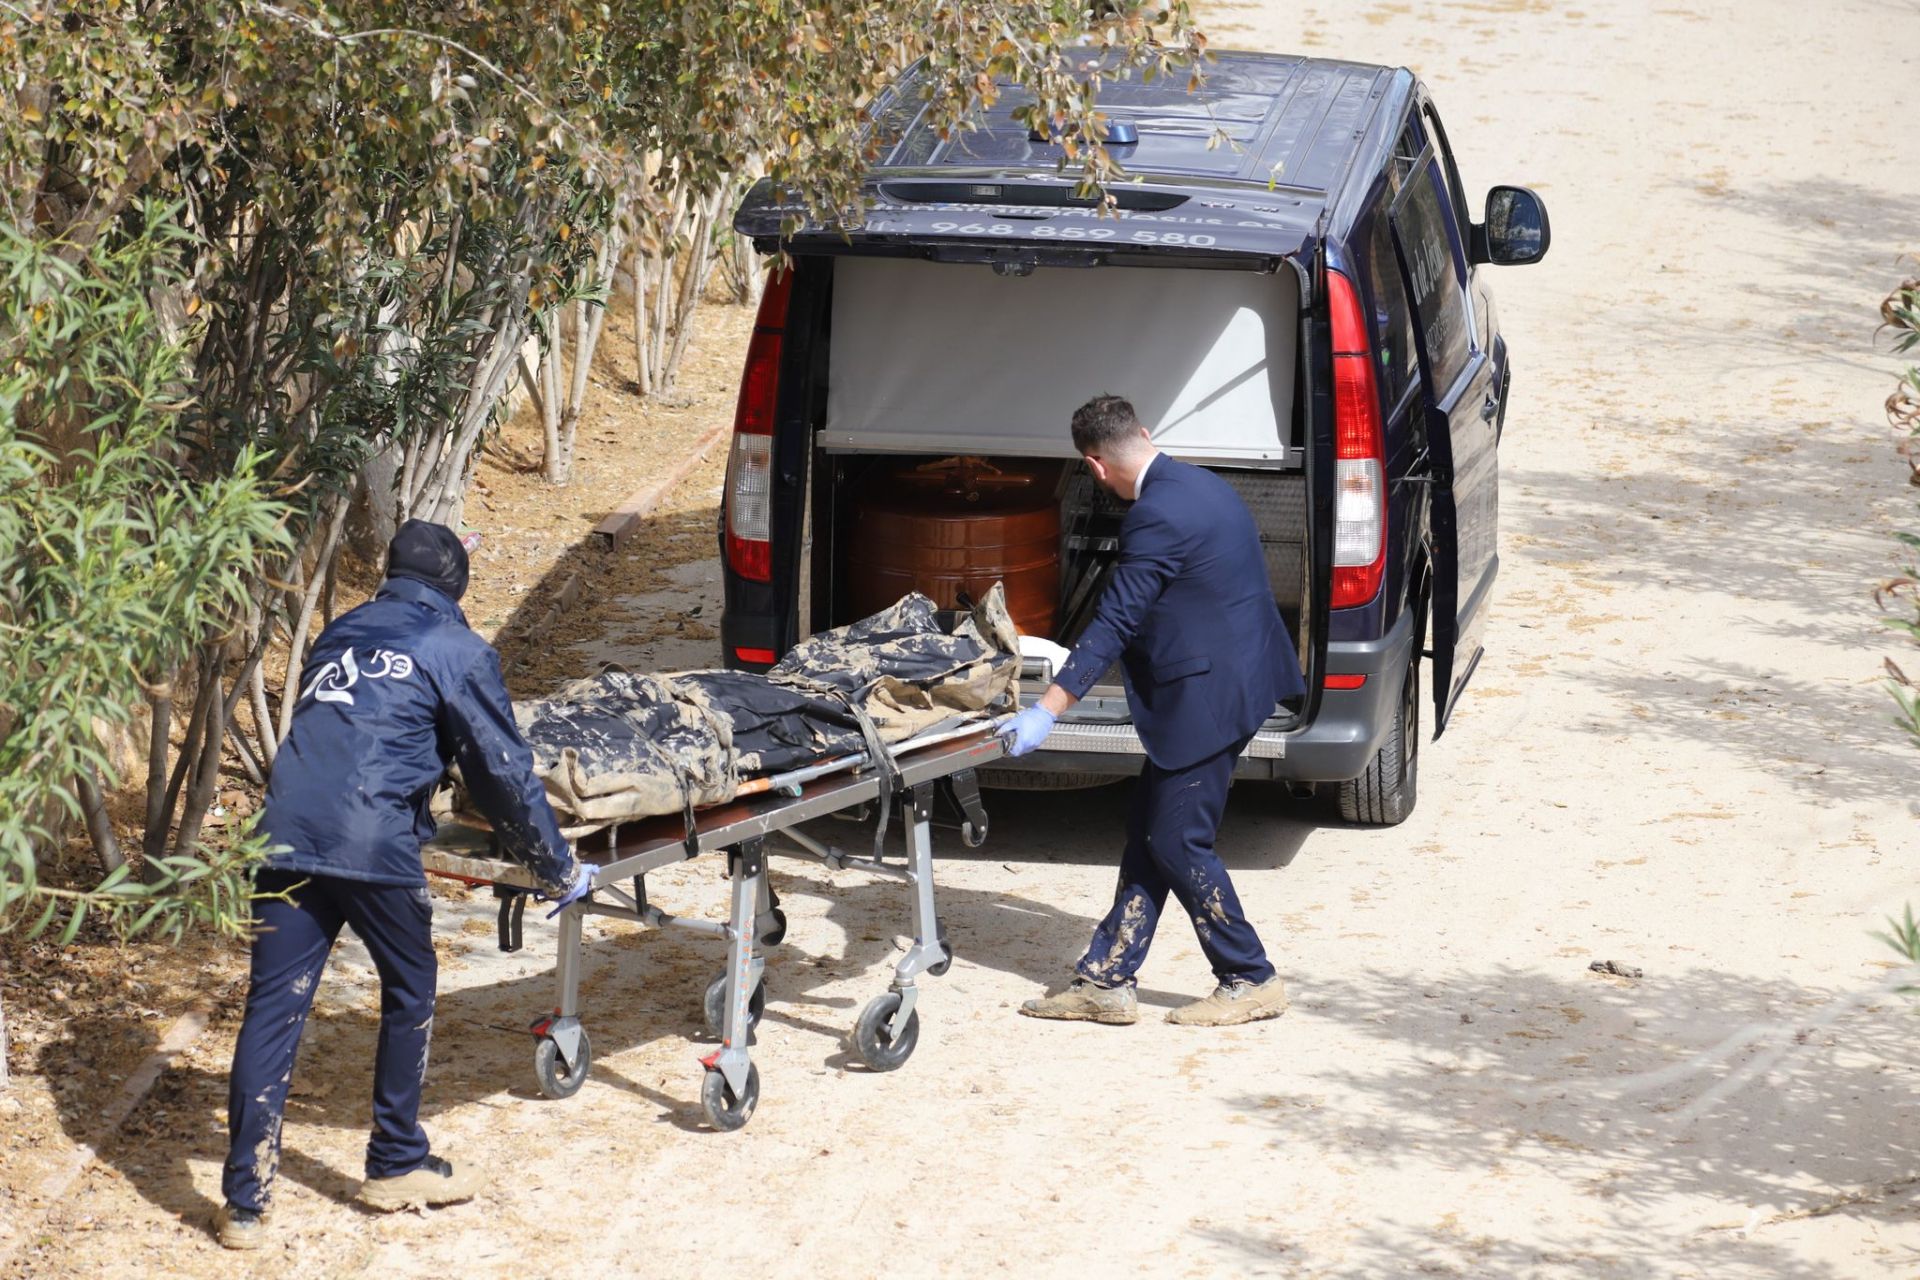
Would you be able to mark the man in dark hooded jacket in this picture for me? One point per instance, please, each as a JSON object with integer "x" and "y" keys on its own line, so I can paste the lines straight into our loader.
{"x": 394, "y": 692}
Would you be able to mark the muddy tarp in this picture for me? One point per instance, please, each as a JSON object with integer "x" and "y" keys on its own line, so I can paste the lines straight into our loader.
{"x": 619, "y": 746}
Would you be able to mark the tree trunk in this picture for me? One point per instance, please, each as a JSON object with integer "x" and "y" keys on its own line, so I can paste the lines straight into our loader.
{"x": 642, "y": 367}
{"x": 262, "y": 714}
{"x": 588, "y": 321}
{"x": 106, "y": 845}
{"x": 157, "y": 767}
{"x": 552, "y": 360}
{"x": 530, "y": 379}
{"x": 376, "y": 511}
{"x": 441, "y": 487}
{"x": 660, "y": 322}
{"x": 746, "y": 267}
{"x": 206, "y": 769}
{"x": 297, "y": 638}
{"x": 693, "y": 282}
{"x": 256, "y": 774}
{"x": 160, "y": 816}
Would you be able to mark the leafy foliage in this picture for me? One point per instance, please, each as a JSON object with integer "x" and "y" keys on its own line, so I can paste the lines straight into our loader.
{"x": 252, "y": 245}
{"x": 1901, "y": 311}
{"x": 112, "y": 561}
{"x": 1903, "y": 935}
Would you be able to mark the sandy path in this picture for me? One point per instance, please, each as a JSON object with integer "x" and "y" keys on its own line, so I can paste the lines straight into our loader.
{"x": 1675, "y": 756}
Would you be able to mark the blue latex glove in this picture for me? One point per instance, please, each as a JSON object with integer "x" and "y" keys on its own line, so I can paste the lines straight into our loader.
{"x": 582, "y": 885}
{"x": 1027, "y": 730}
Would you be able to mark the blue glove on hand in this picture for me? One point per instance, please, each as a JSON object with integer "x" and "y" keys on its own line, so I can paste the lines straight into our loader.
{"x": 583, "y": 877}
{"x": 1027, "y": 730}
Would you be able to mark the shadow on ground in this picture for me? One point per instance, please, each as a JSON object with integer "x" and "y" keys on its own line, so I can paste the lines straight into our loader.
{"x": 1729, "y": 517}
{"x": 1591, "y": 1081}
{"x": 640, "y": 988}
{"x": 636, "y": 989}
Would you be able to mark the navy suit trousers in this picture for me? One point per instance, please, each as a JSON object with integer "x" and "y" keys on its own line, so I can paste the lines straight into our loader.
{"x": 290, "y": 950}
{"x": 1171, "y": 822}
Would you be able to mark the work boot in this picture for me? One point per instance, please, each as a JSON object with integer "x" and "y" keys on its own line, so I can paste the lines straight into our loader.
{"x": 1083, "y": 1001}
{"x": 240, "y": 1228}
{"x": 1233, "y": 1003}
{"x": 435, "y": 1182}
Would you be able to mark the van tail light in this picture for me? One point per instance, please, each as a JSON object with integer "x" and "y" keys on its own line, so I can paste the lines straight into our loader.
{"x": 1359, "y": 451}
{"x": 749, "y": 492}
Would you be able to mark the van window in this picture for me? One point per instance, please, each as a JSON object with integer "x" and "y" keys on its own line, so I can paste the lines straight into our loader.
{"x": 1392, "y": 316}
{"x": 1433, "y": 276}
{"x": 1406, "y": 154}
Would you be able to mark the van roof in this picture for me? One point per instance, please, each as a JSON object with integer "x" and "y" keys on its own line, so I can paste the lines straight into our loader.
{"x": 1286, "y": 120}
{"x": 1294, "y": 128}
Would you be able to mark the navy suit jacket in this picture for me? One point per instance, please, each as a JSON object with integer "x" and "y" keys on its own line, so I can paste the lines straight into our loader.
{"x": 1190, "y": 616}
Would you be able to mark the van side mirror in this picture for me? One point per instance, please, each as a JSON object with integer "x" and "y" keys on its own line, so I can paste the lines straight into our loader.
{"x": 1516, "y": 231}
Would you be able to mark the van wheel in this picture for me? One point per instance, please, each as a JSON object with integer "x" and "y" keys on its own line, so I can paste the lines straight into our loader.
{"x": 1036, "y": 780}
{"x": 1383, "y": 796}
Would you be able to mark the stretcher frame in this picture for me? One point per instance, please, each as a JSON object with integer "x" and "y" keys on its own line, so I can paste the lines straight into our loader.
{"x": 888, "y": 1027}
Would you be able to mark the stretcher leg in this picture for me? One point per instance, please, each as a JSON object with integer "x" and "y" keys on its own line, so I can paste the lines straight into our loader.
{"x": 769, "y": 921}
{"x": 889, "y": 1027}
{"x": 930, "y": 952}
{"x": 732, "y": 1086}
{"x": 563, "y": 1055}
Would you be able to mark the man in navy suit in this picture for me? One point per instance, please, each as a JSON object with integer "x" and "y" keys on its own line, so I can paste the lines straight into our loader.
{"x": 1205, "y": 657}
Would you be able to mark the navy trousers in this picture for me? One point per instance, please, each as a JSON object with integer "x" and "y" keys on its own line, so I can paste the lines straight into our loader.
{"x": 1171, "y": 823}
{"x": 290, "y": 950}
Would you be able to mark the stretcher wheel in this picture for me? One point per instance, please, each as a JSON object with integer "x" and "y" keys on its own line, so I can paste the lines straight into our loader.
{"x": 778, "y": 934}
{"x": 556, "y": 1081}
{"x": 946, "y": 955}
{"x": 716, "y": 1004}
{"x": 725, "y": 1111}
{"x": 871, "y": 1040}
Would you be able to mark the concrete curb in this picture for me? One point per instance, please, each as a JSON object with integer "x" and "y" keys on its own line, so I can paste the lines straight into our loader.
{"x": 619, "y": 525}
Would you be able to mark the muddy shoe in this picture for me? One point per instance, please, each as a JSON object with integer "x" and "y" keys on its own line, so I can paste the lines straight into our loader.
{"x": 1084, "y": 1002}
{"x": 434, "y": 1182}
{"x": 1233, "y": 1003}
{"x": 240, "y": 1228}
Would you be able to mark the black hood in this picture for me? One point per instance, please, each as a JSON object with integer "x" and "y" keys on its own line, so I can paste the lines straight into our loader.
{"x": 429, "y": 553}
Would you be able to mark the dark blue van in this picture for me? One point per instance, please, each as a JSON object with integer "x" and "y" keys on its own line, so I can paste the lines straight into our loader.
{"x": 1299, "y": 308}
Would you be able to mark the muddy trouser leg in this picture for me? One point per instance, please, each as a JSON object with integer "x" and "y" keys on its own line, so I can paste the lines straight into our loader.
{"x": 1186, "y": 818}
{"x": 396, "y": 923}
{"x": 1119, "y": 945}
{"x": 289, "y": 952}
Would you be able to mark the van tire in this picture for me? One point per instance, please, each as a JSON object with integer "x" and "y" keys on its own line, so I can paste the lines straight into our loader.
{"x": 1036, "y": 780}
{"x": 1383, "y": 796}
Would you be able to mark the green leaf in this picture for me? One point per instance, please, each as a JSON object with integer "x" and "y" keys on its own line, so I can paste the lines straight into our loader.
{"x": 73, "y": 922}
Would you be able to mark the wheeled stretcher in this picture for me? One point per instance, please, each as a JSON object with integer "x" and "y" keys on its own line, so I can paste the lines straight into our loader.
{"x": 748, "y": 829}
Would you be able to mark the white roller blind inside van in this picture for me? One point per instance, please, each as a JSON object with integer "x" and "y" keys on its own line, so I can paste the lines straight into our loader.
{"x": 939, "y": 358}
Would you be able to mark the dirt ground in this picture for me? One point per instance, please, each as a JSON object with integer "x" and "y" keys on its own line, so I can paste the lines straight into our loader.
{"x": 1676, "y": 756}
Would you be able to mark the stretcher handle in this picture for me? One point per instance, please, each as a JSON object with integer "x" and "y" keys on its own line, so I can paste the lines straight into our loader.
{"x": 797, "y": 777}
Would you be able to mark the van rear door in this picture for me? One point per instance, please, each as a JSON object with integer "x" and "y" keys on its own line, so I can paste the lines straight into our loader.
{"x": 1461, "y": 406}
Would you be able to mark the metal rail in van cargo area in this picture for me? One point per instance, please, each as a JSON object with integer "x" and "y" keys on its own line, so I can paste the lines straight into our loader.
{"x": 1124, "y": 739}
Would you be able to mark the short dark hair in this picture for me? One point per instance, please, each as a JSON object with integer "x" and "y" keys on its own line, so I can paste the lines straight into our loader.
{"x": 1102, "y": 422}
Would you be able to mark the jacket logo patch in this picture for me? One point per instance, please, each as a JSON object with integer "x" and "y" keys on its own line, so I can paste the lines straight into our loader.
{"x": 334, "y": 681}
